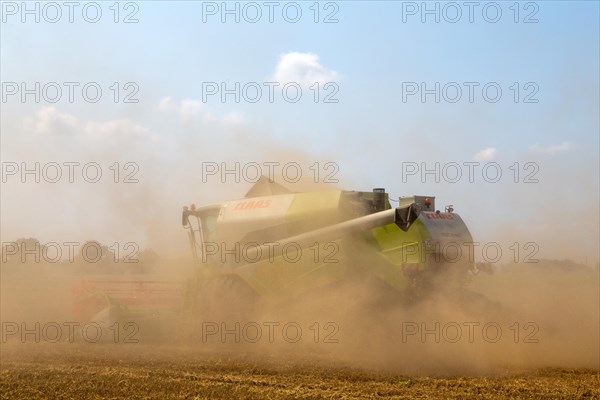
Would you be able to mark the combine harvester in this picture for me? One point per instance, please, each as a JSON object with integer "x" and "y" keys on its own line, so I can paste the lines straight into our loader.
{"x": 275, "y": 245}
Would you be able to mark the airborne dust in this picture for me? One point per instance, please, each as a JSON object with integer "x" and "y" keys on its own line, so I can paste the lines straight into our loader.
{"x": 525, "y": 315}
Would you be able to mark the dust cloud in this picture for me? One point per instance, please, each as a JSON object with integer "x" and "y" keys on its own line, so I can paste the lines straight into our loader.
{"x": 524, "y": 316}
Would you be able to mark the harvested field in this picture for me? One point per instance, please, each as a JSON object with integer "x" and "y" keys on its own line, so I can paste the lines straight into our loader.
{"x": 70, "y": 370}
{"x": 543, "y": 343}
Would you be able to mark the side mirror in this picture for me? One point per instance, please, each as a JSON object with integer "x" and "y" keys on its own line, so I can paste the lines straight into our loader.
{"x": 185, "y": 217}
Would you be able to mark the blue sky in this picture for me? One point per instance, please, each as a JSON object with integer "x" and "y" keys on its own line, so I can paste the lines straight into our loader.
{"x": 370, "y": 54}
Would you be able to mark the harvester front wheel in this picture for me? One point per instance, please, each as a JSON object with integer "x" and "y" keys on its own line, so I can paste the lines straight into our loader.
{"x": 225, "y": 298}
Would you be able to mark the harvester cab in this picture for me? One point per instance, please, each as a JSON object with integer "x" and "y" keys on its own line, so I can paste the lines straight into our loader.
{"x": 202, "y": 228}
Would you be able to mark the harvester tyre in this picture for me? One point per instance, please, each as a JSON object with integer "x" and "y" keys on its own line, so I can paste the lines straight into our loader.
{"x": 225, "y": 298}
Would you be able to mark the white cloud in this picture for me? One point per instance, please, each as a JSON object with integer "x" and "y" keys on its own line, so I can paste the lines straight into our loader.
{"x": 189, "y": 109}
{"x": 186, "y": 109}
{"x": 537, "y": 148}
{"x": 48, "y": 120}
{"x": 233, "y": 118}
{"x": 302, "y": 68}
{"x": 114, "y": 129}
{"x": 487, "y": 154}
{"x": 167, "y": 104}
